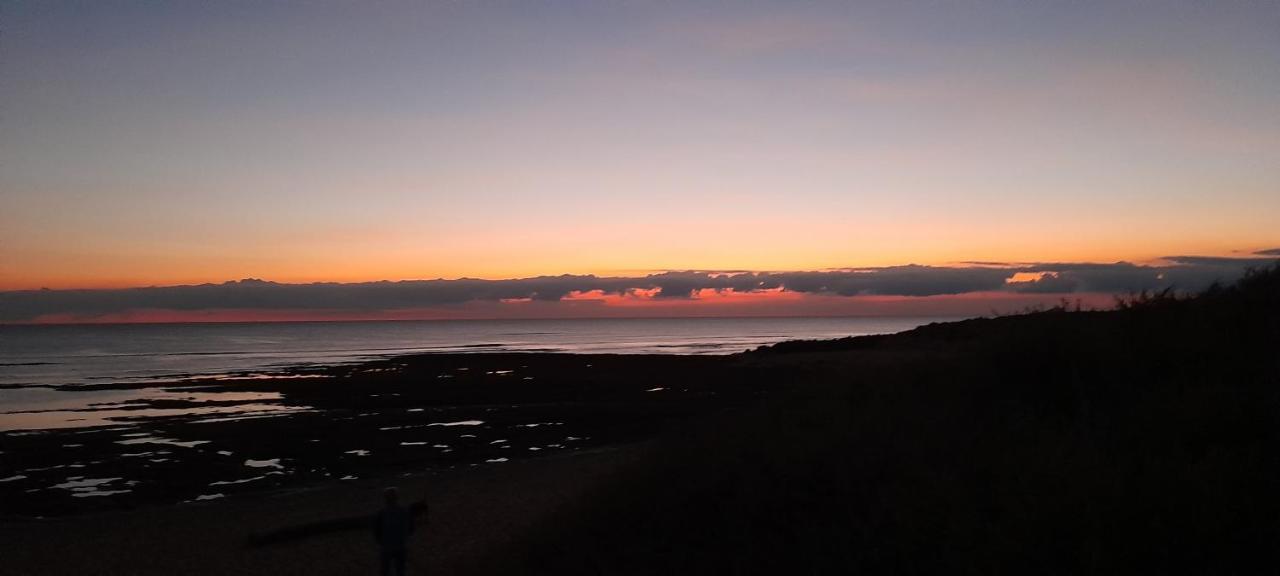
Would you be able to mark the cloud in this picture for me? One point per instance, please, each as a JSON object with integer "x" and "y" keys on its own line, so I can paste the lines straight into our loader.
{"x": 1269, "y": 252}
{"x": 1048, "y": 283}
{"x": 1219, "y": 261}
{"x": 1180, "y": 272}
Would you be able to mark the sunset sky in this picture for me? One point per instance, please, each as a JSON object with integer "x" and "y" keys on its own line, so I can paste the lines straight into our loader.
{"x": 160, "y": 144}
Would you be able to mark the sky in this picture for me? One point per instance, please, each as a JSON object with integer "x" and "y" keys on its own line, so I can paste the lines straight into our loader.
{"x": 183, "y": 143}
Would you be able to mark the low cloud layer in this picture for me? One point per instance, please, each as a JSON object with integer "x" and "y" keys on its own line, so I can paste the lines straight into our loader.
{"x": 1180, "y": 272}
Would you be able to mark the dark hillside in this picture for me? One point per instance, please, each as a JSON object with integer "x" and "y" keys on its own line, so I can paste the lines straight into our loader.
{"x": 1141, "y": 440}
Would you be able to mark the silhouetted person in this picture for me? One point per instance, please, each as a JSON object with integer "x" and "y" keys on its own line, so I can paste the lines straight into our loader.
{"x": 391, "y": 529}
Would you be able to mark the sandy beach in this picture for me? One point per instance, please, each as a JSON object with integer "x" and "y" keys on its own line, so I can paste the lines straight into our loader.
{"x": 475, "y": 515}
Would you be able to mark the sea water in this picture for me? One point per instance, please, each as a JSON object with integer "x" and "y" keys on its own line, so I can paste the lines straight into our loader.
{"x": 34, "y": 359}
{"x": 74, "y": 354}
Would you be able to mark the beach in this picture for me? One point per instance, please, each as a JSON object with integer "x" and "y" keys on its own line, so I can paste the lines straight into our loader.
{"x": 473, "y": 513}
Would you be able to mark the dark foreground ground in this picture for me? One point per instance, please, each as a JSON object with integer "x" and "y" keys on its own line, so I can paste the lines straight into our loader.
{"x": 1138, "y": 441}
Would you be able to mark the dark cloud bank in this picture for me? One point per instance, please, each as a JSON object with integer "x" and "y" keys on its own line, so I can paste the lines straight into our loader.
{"x": 1181, "y": 272}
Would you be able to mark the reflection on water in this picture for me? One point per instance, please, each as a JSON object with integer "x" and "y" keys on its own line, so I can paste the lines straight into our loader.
{"x": 82, "y": 487}
{"x": 458, "y": 423}
{"x": 272, "y": 463}
{"x": 258, "y": 376}
{"x": 158, "y": 440}
{"x": 143, "y": 454}
{"x": 240, "y": 481}
{"x": 38, "y": 409}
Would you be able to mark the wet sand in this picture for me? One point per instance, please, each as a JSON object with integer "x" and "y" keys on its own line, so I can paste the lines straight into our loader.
{"x": 407, "y": 414}
{"x": 472, "y": 514}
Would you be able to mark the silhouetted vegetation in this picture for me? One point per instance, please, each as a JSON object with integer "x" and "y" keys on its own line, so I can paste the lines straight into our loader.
{"x": 1141, "y": 440}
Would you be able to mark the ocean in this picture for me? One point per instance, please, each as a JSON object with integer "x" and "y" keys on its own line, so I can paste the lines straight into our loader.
{"x": 75, "y": 354}
{"x": 35, "y": 358}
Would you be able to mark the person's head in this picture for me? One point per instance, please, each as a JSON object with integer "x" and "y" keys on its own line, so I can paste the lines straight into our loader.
{"x": 391, "y": 495}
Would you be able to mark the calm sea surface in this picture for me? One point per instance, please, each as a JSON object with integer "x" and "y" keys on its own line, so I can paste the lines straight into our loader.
{"x": 80, "y": 354}
{"x": 33, "y": 357}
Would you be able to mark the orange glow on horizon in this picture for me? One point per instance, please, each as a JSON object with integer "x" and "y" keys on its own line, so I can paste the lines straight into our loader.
{"x": 120, "y": 272}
